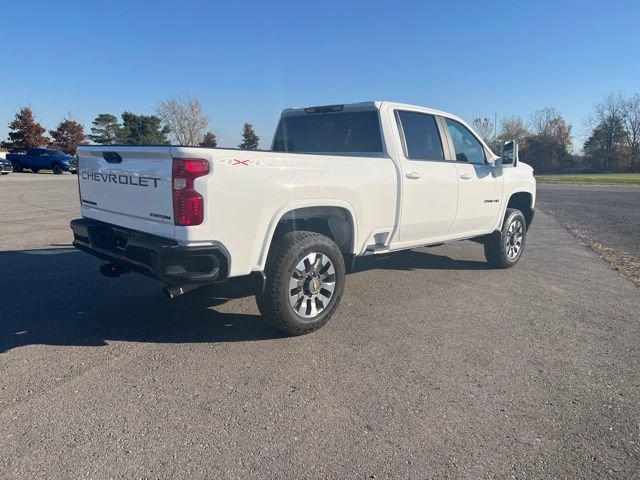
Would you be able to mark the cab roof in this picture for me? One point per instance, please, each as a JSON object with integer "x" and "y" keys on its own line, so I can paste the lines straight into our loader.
{"x": 363, "y": 106}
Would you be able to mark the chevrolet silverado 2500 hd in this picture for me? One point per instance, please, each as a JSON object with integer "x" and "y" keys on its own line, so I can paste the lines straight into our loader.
{"x": 339, "y": 182}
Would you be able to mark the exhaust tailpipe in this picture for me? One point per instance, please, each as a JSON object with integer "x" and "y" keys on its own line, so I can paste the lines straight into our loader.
{"x": 173, "y": 291}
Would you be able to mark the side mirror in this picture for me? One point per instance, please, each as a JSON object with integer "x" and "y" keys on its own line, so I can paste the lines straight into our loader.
{"x": 494, "y": 162}
{"x": 510, "y": 153}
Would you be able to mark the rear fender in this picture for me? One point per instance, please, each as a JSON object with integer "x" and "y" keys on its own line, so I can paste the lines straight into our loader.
{"x": 287, "y": 209}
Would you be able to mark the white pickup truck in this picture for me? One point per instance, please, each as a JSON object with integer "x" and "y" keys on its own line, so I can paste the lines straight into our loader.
{"x": 339, "y": 182}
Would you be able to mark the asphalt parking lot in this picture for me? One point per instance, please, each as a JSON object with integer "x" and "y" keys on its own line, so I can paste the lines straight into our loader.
{"x": 605, "y": 213}
{"x": 435, "y": 366}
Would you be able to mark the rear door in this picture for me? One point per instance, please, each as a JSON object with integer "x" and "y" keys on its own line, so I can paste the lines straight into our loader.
{"x": 481, "y": 184}
{"x": 430, "y": 182}
{"x": 127, "y": 186}
{"x": 34, "y": 157}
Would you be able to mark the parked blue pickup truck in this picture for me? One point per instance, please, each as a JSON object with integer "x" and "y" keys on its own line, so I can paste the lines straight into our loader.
{"x": 37, "y": 159}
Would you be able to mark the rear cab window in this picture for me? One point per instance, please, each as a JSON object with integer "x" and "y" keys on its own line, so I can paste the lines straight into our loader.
{"x": 356, "y": 132}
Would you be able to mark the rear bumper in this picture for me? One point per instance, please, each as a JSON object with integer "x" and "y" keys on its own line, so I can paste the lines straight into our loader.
{"x": 154, "y": 256}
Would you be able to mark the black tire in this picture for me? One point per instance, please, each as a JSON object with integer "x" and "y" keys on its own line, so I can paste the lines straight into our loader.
{"x": 500, "y": 247}
{"x": 6, "y": 173}
{"x": 17, "y": 167}
{"x": 285, "y": 254}
{"x": 35, "y": 170}
{"x": 57, "y": 169}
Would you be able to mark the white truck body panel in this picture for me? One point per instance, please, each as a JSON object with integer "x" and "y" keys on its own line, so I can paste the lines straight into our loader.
{"x": 386, "y": 198}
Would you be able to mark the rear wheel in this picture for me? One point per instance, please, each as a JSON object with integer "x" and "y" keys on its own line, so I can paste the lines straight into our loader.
{"x": 17, "y": 167}
{"x": 305, "y": 279}
{"x": 504, "y": 248}
{"x": 57, "y": 170}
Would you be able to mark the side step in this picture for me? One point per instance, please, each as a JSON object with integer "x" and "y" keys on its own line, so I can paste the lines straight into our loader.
{"x": 377, "y": 248}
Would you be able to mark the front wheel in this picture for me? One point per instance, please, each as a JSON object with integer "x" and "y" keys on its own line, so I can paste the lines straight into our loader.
{"x": 504, "y": 248}
{"x": 57, "y": 170}
{"x": 35, "y": 170}
{"x": 305, "y": 279}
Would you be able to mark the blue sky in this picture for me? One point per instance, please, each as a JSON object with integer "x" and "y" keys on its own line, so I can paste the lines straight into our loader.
{"x": 246, "y": 61}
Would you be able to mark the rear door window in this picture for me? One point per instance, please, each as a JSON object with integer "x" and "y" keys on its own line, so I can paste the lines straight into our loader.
{"x": 421, "y": 136}
{"x": 336, "y": 132}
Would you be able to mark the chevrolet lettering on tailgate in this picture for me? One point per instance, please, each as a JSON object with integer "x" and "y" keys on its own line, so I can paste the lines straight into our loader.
{"x": 120, "y": 178}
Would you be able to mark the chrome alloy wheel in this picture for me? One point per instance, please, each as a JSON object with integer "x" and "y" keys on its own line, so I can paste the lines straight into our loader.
{"x": 514, "y": 239}
{"x": 312, "y": 284}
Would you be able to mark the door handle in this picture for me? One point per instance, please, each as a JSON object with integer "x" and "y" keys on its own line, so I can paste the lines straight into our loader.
{"x": 465, "y": 176}
{"x": 412, "y": 175}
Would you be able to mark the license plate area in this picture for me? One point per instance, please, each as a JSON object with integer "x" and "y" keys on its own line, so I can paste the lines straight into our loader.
{"x": 119, "y": 238}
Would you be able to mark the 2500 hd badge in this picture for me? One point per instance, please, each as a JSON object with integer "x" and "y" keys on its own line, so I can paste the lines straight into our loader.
{"x": 119, "y": 178}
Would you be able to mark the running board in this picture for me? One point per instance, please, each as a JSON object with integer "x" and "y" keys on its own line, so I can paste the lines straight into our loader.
{"x": 377, "y": 248}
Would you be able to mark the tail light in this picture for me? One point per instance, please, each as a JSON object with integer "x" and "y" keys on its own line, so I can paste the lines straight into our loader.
{"x": 188, "y": 205}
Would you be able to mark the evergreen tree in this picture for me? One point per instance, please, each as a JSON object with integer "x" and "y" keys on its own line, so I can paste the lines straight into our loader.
{"x": 25, "y": 132}
{"x": 210, "y": 140}
{"x": 105, "y": 129}
{"x": 250, "y": 140}
{"x": 142, "y": 130}
{"x": 68, "y": 135}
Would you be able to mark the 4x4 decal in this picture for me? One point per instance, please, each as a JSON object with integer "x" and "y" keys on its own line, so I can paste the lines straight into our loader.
{"x": 232, "y": 162}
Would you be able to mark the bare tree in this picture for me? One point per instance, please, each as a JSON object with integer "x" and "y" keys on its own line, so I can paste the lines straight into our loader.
{"x": 609, "y": 115}
{"x": 631, "y": 126}
{"x": 548, "y": 146}
{"x": 484, "y": 128}
{"x": 544, "y": 121}
{"x": 185, "y": 119}
{"x": 512, "y": 128}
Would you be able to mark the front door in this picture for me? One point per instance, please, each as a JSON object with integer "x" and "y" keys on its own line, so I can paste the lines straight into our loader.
{"x": 430, "y": 183}
{"x": 480, "y": 188}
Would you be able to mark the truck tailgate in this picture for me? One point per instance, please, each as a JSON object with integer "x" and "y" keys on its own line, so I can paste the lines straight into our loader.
{"x": 127, "y": 186}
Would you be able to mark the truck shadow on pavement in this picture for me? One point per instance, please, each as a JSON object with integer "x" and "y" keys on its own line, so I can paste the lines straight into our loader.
{"x": 416, "y": 260}
{"x": 57, "y": 297}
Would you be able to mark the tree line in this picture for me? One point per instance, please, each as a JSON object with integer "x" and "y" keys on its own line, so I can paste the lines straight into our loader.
{"x": 612, "y": 144}
{"x": 177, "y": 121}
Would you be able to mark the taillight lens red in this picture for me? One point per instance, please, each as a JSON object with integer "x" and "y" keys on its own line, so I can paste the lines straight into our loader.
{"x": 188, "y": 205}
